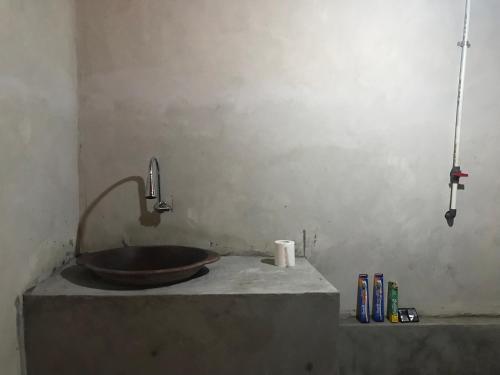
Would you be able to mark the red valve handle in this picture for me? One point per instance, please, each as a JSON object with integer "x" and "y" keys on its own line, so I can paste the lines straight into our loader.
{"x": 460, "y": 174}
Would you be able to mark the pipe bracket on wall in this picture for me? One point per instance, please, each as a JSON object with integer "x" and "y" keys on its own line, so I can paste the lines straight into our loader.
{"x": 455, "y": 175}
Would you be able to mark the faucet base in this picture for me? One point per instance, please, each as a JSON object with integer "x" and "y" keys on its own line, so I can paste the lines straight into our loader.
{"x": 162, "y": 207}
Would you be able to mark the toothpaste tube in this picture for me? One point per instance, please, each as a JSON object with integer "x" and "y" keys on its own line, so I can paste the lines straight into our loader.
{"x": 392, "y": 301}
{"x": 378, "y": 297}
{"x": 363, "y": 305}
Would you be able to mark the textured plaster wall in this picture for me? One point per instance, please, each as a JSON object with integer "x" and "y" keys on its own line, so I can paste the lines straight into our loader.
{"x": 271, "y": 118}
{"x": 38, "y": 151}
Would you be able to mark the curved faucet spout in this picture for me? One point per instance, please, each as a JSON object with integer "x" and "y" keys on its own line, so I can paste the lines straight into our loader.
{"x": 153, "y": 186}
{"x": 152, "y": 191}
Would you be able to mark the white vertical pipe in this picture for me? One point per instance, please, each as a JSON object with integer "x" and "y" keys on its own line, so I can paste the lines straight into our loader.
{"x": 463, "y": 60}
{"x": 458, "y": 117}
{"x": 453, "y": 201}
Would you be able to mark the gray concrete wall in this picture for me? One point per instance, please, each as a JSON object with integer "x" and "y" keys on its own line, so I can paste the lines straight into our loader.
{"x": 38, "y": 151}
{"x": 275, "y": 117}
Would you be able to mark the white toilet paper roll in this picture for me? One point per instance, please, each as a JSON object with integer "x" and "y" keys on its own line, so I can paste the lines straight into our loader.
{"x": 284, "y": 254}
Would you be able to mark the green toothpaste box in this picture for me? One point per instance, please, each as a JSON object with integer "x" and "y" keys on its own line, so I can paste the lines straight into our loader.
{"x": 392, "y": 301}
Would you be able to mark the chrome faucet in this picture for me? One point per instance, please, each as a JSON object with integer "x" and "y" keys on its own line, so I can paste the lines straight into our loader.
{"x": 153, "y": 188}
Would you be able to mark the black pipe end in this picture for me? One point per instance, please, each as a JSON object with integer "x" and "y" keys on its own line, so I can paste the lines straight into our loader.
{"x": 450, "y": 216}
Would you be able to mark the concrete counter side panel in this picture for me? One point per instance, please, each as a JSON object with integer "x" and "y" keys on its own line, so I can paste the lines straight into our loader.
{"x": 238, "y": 331}
{"x": 435, "y": 346}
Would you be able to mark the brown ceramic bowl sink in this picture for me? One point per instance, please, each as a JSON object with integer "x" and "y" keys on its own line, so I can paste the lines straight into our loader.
{"x": 147, "y": 265}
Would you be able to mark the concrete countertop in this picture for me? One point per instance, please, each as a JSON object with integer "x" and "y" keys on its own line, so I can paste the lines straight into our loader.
{"x": 230, "y": 275}
{"x": 464, "y": 320}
